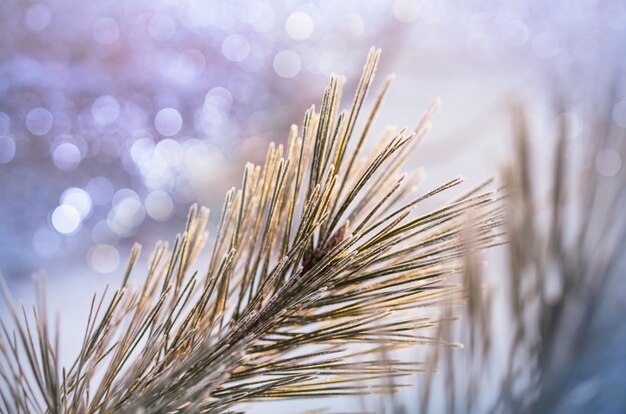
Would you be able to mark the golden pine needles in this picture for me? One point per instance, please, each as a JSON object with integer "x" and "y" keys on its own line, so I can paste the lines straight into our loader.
{"x": 317, "y": 266}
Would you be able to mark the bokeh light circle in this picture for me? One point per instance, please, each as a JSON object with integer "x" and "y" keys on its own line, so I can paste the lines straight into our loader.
{"x": 38, "y": 17}
{"x": 235, "y": 48}
{"x": 619, "y": 113}
{"x": 168, "y": 122}
{"x": 39, "y": 121}
{"x": 7, "y": 149}
{"x": 608, "y": 162}
{"x": 103, "y": 258}
{"x": 127, "y": 214}
{"x": 287, "y": 63}
{"x": 66, "y": 156}
{"x": 406, "y": 11}
{"x": 79, "y": 199}
{"x": 65, "y": 219}
{"x": 299, "y": 26}
{"x": 105, "y": 110}
{"x": 159, "y": 205}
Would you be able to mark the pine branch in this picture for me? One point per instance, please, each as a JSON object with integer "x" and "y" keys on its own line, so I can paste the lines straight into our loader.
{"x": 316, "y": 251}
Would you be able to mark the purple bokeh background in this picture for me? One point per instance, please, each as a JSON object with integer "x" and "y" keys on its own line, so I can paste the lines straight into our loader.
{"x": 116, "y": 116}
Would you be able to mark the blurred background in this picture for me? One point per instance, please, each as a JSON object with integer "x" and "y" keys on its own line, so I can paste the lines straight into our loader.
{"x": 115, "y": 116}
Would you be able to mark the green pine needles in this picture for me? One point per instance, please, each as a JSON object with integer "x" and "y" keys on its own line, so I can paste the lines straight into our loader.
{"x": 317, "y": 267}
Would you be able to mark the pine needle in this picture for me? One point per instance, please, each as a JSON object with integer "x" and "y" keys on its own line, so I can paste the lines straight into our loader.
{"x": 316, "y": 251}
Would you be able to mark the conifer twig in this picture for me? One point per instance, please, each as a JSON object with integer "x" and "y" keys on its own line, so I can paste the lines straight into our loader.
{"x": 317, "y": 250}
